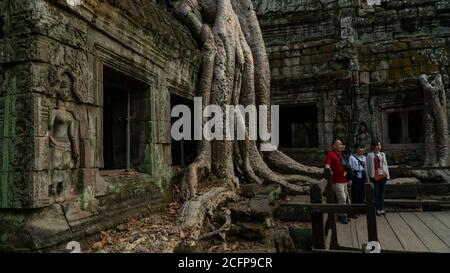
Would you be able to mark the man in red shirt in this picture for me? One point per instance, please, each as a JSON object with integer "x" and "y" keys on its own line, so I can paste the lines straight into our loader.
{"x": 334, "y": 162}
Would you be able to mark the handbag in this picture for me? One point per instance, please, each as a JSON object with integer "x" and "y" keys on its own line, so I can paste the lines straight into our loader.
{"x": 380, "y": 174}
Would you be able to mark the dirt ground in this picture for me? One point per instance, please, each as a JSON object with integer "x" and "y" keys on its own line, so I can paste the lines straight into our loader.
{"x": 159, "y": 233}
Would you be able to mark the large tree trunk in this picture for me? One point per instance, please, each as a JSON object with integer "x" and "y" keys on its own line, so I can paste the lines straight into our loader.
{"x": 436, "y": 122}
{"x": 430, "y": 144}
{"x": 235, "y": 71}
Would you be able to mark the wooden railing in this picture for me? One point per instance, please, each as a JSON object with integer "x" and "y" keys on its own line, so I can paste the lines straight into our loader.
{"x": 324, "y": 232}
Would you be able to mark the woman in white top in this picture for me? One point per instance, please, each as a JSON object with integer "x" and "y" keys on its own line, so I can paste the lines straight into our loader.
{"x": 378, "y": 172}
{"x": 357, "y": 162}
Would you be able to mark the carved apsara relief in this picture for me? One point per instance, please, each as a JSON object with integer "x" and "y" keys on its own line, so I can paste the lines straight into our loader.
{"x": 363, "y": 134}
{"x": 70, "y": 81}
{"x": 63, "y": 138}
{"x": 340, "y": 128}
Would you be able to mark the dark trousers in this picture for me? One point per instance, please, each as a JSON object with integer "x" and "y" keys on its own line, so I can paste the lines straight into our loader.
{"x": 379, "y": 187}
{"x": 358, "y": 185}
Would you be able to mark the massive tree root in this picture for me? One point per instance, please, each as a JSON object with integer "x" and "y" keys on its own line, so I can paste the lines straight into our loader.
{"x": 195, "y": 210}
{"x": 235, "y": 71}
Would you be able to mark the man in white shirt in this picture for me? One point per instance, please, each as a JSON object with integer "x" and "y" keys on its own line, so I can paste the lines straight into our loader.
{"x": 357, "y": 162}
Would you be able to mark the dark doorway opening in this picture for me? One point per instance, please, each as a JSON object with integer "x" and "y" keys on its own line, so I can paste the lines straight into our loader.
{"x": 2, "y": 24}
{"x": 405, "y": 126}
{"x": 299, "y": 126}
{"x": 126, "y": 108}
{"x": 395, "y": 128}
{"x": 184, "y": 152}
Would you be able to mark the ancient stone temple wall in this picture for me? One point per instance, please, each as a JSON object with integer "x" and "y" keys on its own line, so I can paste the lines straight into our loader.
{"x": 359, "y": 65}
{"x": 398, "y": 42}
{"x": 53, "y": 58}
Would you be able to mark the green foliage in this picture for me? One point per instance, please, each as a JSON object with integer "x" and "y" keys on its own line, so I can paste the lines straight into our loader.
{"x": 86, "y": 197}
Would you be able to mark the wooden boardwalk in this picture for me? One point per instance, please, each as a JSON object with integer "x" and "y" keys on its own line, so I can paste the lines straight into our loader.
{"x": 401, "y": 232}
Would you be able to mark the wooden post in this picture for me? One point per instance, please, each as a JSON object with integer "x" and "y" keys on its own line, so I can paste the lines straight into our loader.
{"x": 317, "y": 219}
{"x": 371, "y": 215}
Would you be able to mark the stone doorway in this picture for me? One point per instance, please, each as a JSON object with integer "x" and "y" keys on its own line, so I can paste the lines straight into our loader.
{"x": 126, "y": 108}
{"x": 184, "y": 152}
{"x": 299, "y": 126}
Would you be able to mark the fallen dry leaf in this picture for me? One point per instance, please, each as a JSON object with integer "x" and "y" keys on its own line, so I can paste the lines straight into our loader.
{"x": 98, "y": 245}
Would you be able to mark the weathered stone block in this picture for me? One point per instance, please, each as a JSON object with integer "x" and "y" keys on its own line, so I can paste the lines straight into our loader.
{"x": 384, "y": 65}
{"x": 86, "y": 177}
{"x": 285, "y": 71}
{"x": 40, "y": 191}
{"x": 42, "y": 108}
{"x": 433, "y": 190}
{"x": 80, "y": 113}
{"x": 2, "y": 117}
{"x": 364, "y": 77}
{"x": 378, "y": 76}
{"x": 428, "y": 68}
{"x": 88, "y": 153}
{"x": 21, "y": 153}
{"x": 99, "y": 153}
{"x": 25, "y": 189}
{"x": 165, "y": 106}
{"x": 296, "y": 70}
{"x": 72, "y": 32}
{"x": 444, "y": 20}
{"x": 95, "y": 122}
{"x": 98, "y": 93}
{"x": 280, "y": 239}
{"x": 419, "y": 59}
{"x": 401, "y": 191}
{"x": 42, "y": 154}
{"x": 400, "y": 63}
{"x": 429, "y": 11}
{"x": 408, "y": 13}
{"x": 50, "y": 227}
{"x": 164, "y": 132}
{"x": 275, "y": 72}
{"x": 155, "y": 107}
{"x": 17, "y": 49}
{"x": 259, "y": 205}
{"x": 241, "y": 212}
{"x": 394, "y": 27}
{"x": 443, "y": 6}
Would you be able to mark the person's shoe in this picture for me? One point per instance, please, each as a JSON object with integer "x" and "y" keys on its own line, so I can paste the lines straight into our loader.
{"x": 383, "y": 212}
{"x": 378, "y": 212}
